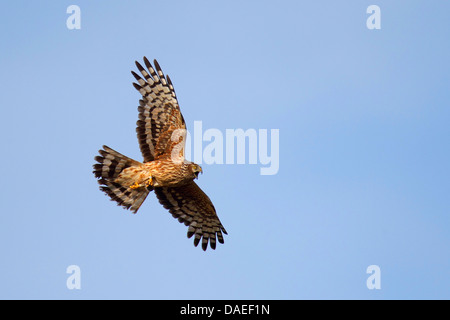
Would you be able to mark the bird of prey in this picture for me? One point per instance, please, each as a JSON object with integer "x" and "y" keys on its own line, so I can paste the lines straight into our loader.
{"x": 161, "y": 132}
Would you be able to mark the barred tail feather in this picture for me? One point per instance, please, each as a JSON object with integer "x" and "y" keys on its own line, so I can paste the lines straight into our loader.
{"x": 110, "y": 164}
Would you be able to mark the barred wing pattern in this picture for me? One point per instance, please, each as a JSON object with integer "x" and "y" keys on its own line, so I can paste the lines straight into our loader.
{"x": 159, "y": 113}
{"x": 191, "y": 206}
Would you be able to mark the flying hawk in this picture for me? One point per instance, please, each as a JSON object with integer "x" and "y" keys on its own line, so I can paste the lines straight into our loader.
{"x": 161, "y": 131}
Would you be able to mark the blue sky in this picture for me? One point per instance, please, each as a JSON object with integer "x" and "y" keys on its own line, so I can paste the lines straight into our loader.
{"x": 363, "y": 117}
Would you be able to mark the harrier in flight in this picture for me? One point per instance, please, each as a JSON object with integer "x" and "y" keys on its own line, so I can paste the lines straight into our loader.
{"x": 161, "y": 131}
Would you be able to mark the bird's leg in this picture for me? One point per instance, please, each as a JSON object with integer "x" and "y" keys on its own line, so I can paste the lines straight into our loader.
{"x": 134, "y": 186}
{"x": 148, "y": 182}
{"x": 145, "y": 184}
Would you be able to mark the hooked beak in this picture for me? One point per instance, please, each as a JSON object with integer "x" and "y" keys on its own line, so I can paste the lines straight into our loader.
{"x": 197, "y": 172}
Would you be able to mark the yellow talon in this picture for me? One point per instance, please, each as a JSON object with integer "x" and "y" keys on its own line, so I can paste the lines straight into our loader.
{"x": 145, "y": 184}
{"x": 134, "y": 186}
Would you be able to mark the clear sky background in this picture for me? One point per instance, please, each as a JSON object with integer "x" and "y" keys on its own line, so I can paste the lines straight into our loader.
{"x": 364, "y": 148}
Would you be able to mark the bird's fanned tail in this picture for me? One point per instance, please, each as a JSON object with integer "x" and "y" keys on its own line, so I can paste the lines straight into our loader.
{"x": 110, "y": 164}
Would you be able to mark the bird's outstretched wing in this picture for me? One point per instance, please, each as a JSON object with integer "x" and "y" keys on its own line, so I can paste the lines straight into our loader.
{"x": 161, "y": 128}
{"x": 191, "y": 206}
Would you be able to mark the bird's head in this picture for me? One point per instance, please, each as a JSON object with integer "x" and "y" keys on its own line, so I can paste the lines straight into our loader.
{"x": 196, "y": 169}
